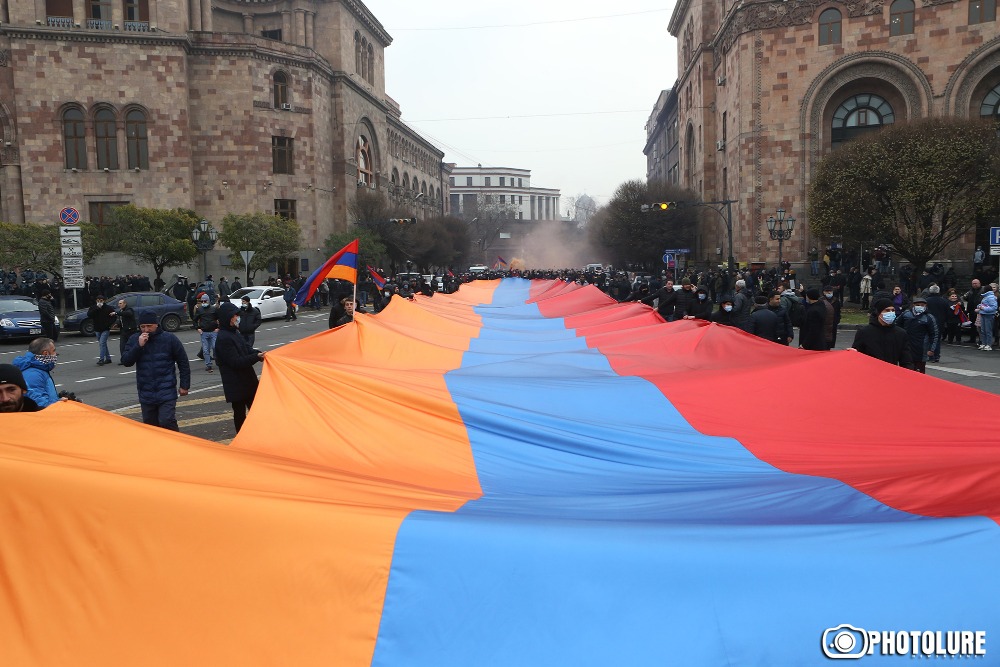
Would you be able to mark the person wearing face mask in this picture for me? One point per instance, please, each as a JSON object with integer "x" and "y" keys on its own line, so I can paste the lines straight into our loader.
{"x": 701, "y": 309}
{"x": 922, "y": 330}
{"x": 36, "y": 368}
{"x": 103, "y": 316}
{"x": 724, "y": 315}
{"x": 235, "y": 359}
{"x": 881, "y": 339}
{"x": 249, "y": 320}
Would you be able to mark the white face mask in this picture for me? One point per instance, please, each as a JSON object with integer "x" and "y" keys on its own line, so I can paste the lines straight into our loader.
{"x": 237, "y": 320}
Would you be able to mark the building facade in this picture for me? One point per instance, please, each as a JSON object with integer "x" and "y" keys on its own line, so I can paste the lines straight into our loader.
{"x": 220, "y": 106}
{"x": 505, "y": 210}
{"x": 767, "y": 87}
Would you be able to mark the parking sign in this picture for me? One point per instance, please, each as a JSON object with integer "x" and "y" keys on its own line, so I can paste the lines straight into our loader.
{"x": 994, "y": 235}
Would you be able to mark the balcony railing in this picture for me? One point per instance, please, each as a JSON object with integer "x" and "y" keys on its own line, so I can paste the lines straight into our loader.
{"x": 137, "y": 26}
{"x": 59, "y": 21}
{"x": 98, "y": 24}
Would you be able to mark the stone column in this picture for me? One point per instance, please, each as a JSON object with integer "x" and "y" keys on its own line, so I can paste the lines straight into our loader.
{"x": 206, "y": 15}
{"x": 80, "y": 12}
{"x": 286, "y": 26}
{"x": 310, "y": 29}
{"x": 118, "y": 15}
{"x": 248, "y": 24}
{"x": 13, "y": 194}
{"x": 300, "y": 27}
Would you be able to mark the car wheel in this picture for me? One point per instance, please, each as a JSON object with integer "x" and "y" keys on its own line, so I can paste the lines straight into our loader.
{"x": 87, "y": 327}
{"x": 170, "y": 323}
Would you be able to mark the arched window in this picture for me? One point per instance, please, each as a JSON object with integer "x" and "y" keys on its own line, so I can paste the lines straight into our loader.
{"x": 901, "y": 17}
{"x": 982, "y": 11}
{"x": 990, "y": 108}
{"x": 371, "y": 65}
{"x": 75, "y": 139}
{"x": 423, "y": 187}
{"x": 859, "y": 115}
{"x": 279, "y": 86}
{"x": 107, "y": 139}
{"x": 364, "y": 59}
{"x": 136, "y": 141}
{"x": 430, "y": 193}
{"x": 394, "y": 179}
{"x": 689, "y": 157}
{"x": 363, "y": 154}
{"x": 406, "y": 181}
{"x": 829, "y": 27}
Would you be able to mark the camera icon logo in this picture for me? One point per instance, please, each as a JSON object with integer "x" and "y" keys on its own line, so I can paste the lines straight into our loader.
{"x": 845, "y": 641}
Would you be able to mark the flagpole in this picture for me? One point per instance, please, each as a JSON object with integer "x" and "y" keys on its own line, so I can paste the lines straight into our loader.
{"x": 355, "y": 295}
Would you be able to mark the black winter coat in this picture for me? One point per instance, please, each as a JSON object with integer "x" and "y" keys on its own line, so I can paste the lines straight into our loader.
{"x": 812, "y": 334}
{"x": 785, "y": 330}
{"x": 155, "y": 363}
{"x": 249, "y": 319}
{"x": 764, "y": 324}
{"x": 46, "y": 311}
{"x": 888, "y": 343}
{"x": 127, "y": 321}
{"x": 103, "y": 317}
{"x": 235, "y": 359}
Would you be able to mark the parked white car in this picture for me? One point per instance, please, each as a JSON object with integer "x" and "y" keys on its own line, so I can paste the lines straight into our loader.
{"x": 268, "y": 300}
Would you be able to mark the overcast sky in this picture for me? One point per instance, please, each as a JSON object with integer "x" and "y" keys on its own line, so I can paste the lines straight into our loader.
{"x": 564, "y": 89}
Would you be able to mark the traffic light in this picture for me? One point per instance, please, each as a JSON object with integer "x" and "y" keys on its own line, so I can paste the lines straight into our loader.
{"x": 403, "y": 221}
{"x": 658, "y": 206}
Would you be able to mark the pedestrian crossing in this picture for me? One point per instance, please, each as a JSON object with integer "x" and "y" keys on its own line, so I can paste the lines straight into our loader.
{"x": 208, "y": 417}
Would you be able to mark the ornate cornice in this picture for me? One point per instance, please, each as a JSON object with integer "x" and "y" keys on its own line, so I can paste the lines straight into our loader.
{"x": 364, "y": 15}
{"x": 96, "y": 36}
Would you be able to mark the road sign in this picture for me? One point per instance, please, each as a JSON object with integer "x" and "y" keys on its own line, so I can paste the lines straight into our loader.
{"x": 247, "y": 255}
{"x": 994, "y": 235}
{"x": 71, "y": 241}
{"x": 72, "y": 261}
{"x": 678, "y": 251}
{"x": 73, "y": 272}
{"x": 72, "y": 251}
{"x": 668, "y": 258}
{"x": 69, "y": 216}
{"x": 70, "y": 231}
{"x": 73, "y": 283}
{"x": 995, "y": 249}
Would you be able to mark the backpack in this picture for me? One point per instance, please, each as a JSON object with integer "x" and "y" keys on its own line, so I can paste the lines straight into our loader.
{"x": 796, "y": 311}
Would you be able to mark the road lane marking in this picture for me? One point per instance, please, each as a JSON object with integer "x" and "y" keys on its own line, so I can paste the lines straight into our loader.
{"x": 127, "y": 373}
{"x": 194, "y": 391}
{"x": 210, "y": 419}
{"x": 90, "y": 379}
{"x": 180, "y": 404}
{"x": 965, "y": 372}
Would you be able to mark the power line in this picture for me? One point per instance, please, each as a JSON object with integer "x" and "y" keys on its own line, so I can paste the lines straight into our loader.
{"x": 536, "y": 115}
{"x": 526, "y": 25}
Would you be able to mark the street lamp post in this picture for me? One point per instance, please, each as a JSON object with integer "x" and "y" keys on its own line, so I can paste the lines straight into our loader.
{"x": 204, "y": 237}
{"x": 780, "y": 230}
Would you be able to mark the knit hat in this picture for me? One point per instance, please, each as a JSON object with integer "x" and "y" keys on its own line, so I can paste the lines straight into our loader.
{"x": 881, "y": 304}
{"x": 812, "y": 294}
{"x": 226, "y": 312}
{"x": 12, "y": 375}
{"x": 148, "y": 317}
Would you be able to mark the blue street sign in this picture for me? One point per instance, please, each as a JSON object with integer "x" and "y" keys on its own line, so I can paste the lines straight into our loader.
{"x": 678, "y": 251}
{"x": 69, "y": 216}
{"x": 667, "y": 258}
{"x": 994, "y": 235}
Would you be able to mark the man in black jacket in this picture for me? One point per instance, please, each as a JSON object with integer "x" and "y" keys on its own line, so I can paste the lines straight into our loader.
{"x": 785, "y": 331}
{"x": 881, "y": 339}
{"x": 235, "y": 359}
{"x": 763, "y": 321}
{"x": 47, "y": 314}
{"x": 103, "y": 316}
{"x": 128, "y": 324}
{"x": 155, "y": 354}
{"x": 249, "y": 320}
{"x": 812, "y": 334}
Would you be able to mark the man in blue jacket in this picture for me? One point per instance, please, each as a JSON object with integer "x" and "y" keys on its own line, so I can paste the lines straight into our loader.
{"x": 155, "y": 353}
{"x": 36, "y": 367}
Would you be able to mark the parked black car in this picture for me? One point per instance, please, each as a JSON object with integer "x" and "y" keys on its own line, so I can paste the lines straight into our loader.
{"x": 169, "y": 311}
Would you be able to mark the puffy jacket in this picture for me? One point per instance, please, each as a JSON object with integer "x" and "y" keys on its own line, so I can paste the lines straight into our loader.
{"x": 922, "y": 330}
{"x": 41, "y": 388}
{"x": 156, "y": 376}
{"x": 46, "y": 311}
{"x": 988, "y": 304}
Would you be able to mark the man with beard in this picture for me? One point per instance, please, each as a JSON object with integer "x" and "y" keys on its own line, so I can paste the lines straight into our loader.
{"x": 13, "y": 391}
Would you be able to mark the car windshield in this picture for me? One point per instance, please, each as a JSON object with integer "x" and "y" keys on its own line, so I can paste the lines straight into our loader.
{"x": 251, "y": 292}
{"x": 11, "y": 305}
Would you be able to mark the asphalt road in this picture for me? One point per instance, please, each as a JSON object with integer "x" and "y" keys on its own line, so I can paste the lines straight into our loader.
{"x": 205, "y": 414}
{"x": 202, "y": 413}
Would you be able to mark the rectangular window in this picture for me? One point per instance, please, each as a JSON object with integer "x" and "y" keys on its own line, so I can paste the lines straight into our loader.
{"x": 487, "y": 181}
{"x": 137, "y": 10}
{"x": 285, "y": 208}
{"x": 468, "y": 180}
{"x": 271, "y": 34}
{"x": 520, "y": 216}
{"x": 451, "y": 181}
{"x": 519, "y": 183}
{"x": 724, "y": 114}
{"x": 503, "y": 181}
{"x": 520, "y": 200}
{"x": 981, "y": 11}
{"x": 503, "y": 199}
{"x": 100, "y": 211}
{"x": 487, "y": 199}
{"x": 281, "y": 155}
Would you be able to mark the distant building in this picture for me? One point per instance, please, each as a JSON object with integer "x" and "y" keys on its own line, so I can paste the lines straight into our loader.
{"x": 504, "y": 196}
{"x": 220, "y": 106}
{"x": 767, "y": 87}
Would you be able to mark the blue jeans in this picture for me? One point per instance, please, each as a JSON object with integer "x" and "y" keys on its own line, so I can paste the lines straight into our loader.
{"x": 208, "y": 346}
{"x": 986, "y": 330}
{"x": 102, "y": 342}
{"x": 163, "y": 414}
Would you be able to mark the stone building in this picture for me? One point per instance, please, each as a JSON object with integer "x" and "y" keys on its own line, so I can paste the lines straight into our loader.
{"x": 765, "y": 88}
{"x": 220, "y": 106}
